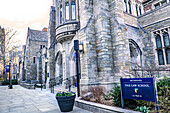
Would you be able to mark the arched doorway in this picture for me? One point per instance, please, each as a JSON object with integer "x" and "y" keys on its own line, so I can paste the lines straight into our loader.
{"x": 72, "y": 60}
{"x": 59, "y": 69}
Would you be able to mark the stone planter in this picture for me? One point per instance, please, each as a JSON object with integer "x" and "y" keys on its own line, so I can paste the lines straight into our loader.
{"x": 66, "y": 103}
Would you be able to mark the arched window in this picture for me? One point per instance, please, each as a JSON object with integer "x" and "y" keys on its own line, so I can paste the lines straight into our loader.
{"x": 73, "y": 11}
{"x": 166, "y": 39}
{"x": 158, "y": 41}
{"x": 140, "y": 11}
{"x": 135, "y": 52}
{"x": 125, "y": 1}
{"x": 137, "y": 10}
{"x": 130, "y": 10}
{"x": 67, "y": 11}
{"x": 60, "y": 14}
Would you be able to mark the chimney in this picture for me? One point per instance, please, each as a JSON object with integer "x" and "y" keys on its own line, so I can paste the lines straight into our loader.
{"x": 45, "y": 29}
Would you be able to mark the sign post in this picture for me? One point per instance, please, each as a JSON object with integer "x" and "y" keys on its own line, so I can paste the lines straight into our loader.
{"x": 122, "y": 99}
{"x": 76, "y": 48}
{"x": 139, "y": 89}
{"x": 156, "y": 97}
{"x": 3, "y": 71}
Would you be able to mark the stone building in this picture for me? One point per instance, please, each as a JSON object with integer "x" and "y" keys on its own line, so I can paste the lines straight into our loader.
{"x": 42, "y": 61}
{"x": 22, "y": 65}
{"x": 35, "y": 41}
{"x": 15, "y": 57}
{"x": 117, "y": 35}
{"x": 2, "y": 50}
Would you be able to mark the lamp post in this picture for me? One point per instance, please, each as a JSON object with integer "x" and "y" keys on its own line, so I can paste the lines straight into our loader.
{"x": 10, "y": 82}
{"x": 78, "y": 48}
{"x": 46, "y": 61}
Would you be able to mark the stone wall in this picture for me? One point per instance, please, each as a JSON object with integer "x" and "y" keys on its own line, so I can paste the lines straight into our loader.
{"x": 155, "y": 16}
{"x": 152, "y": 21}
{"x": 87, "y": 36}
{"x": 106, "y": 32}
{"x": 51, "y": 44}
{"x": 34, "y": 47}
{"x": 121, "y": 54}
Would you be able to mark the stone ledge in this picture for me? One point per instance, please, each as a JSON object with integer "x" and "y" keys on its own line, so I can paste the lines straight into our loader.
{"x": 28, "y": 86}
{"x": 100, "y": 108}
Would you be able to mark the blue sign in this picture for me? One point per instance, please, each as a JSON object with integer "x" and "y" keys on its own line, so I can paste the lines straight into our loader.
{"x": 3, "y": 71}
{"x": 7, "y": 68}
{"x": 138, "y": 88}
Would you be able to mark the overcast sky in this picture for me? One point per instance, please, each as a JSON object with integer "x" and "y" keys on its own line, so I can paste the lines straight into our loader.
{"x": 21, "y": 14}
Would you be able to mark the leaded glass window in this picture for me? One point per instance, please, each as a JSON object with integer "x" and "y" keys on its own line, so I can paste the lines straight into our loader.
{"x": 137, "y": 10}
{"x": 167, "y": 56}
{"x": 160, "y": 57}
{"x": 67, "y": 11}
{"x": 163, "y": 2}
{"x": 73, "y": 11}
{"x": 60, "y": 14}
{"x": 130, "y": 11}
{"x": 157, "y": 5}
{"x": 140, "y": 11}
{"x": 158, "y": 41}
{"x": 126, "y": 5}
{"x": 166, "y": 39}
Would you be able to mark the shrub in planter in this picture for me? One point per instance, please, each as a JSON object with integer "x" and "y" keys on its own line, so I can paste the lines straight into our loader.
{"x": 6, "y": 82}
{"x": 38, "y": 85}
{"x": 65, "y": 101}
{"x": 1, "y": 79}
{"x": 15, "y": 82}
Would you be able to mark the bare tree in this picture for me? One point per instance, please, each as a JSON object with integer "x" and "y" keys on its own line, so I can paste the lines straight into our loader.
{"x": 9, "y": 44}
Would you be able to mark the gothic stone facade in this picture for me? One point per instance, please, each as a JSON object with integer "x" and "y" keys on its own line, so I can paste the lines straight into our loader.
{"x": 116, "y": 34}
{"x": 2, "y": 51}
{"x": 36, "y": 40}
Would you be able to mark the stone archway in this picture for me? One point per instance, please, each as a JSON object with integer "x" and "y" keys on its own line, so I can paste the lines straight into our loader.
{"x": 59, "y": 68}
{"x": 135, "y": 52}
{"x": 72, "y": 60}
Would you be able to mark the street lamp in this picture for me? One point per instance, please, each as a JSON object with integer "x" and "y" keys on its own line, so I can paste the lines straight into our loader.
{"x": 10, "y": 82}
{"x": 81, "y": 47}
{"x": 46, "y": 61}
{"x": 78, "y": 48}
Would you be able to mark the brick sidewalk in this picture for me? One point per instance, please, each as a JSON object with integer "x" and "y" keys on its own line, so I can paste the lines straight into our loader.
{"x": 21, "y": 100}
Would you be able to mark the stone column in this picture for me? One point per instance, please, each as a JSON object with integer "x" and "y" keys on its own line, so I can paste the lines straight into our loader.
{"x": 51, "y": 63}
{"x": 121, "y": 53}
{"x": 65, "y": 63}
{"x": 86, "y": 35}
{"x": 103, "y": 42}
{"x": 51, "y": 44}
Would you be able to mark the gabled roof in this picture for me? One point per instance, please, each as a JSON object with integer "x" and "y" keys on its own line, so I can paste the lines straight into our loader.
{"x": 37, "y": 35}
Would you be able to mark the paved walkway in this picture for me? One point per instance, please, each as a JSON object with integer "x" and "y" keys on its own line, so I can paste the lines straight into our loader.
{"x": 22, "y": 100}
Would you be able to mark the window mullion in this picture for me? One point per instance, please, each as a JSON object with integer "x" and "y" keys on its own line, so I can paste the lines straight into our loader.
{"x": 163, "y": 49}
{"x": 63, "y": 11}
{"x": 169, "y": 34}
{"x": 70, "y": 10}
{"x": 127, "y": 6}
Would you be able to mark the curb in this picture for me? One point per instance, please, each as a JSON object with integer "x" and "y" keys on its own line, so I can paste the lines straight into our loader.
{"x": 100, "y": 108}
